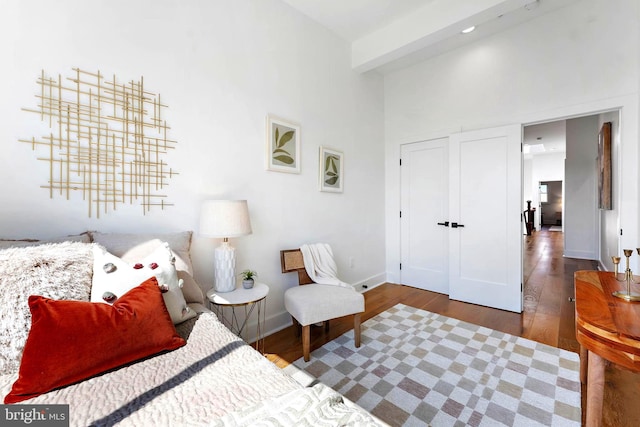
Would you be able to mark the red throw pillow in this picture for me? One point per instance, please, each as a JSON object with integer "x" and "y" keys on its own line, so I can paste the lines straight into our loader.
{"x": 73, "y": 340}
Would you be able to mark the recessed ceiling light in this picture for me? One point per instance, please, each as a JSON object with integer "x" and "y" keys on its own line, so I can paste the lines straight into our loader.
{"x": 468, "y": 30}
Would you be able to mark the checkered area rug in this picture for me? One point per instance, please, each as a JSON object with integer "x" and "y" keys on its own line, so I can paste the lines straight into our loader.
{"x": 416, "y": 368}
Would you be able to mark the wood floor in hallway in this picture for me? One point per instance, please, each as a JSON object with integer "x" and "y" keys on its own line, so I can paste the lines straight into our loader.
{"x": 548, "y": 317}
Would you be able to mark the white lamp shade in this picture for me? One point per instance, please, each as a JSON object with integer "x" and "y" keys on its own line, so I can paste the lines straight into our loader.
{"x": 224, "y": 218}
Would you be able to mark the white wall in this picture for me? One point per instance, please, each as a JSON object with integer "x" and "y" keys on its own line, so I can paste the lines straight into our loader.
{"x": 220, "y": 66}
{"x": 581, "y": 228}
{"x": 577, "y": 60}
{"x": 528, "y": 185}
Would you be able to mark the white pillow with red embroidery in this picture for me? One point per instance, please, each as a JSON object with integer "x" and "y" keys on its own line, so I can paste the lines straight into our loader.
{"x": 112, "y": 278}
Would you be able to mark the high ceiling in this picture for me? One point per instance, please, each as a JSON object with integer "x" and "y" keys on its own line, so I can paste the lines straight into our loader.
{"x": 386, "y": 35}
{"x": 354, "y": 19}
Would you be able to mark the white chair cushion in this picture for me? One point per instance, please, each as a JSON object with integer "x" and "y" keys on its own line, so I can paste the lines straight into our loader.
{"x": 315, "y": 303}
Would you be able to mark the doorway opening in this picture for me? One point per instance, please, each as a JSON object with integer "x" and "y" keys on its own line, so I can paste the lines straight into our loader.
{"x": 560, "y": 179}
{"x": 550, "y": 194}
{"x": 544, "y": 158}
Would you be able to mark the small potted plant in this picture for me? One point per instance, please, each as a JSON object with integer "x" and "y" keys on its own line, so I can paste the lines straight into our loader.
{"x": 247, "y": 278}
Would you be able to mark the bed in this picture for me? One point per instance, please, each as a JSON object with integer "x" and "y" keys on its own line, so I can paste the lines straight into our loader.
{"x": 211, "y": 378}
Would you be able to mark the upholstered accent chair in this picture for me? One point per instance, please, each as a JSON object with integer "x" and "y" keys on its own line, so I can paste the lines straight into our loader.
{"x": 312, "y": 303}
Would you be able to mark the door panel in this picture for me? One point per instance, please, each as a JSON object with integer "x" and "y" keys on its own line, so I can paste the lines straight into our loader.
{"x": 424, "y": 203}
{"x": 485, "y": 261}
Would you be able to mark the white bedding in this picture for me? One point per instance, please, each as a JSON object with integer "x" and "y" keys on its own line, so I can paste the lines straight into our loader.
{"x": 212, "y": 380}
{"x": 213, "y": 374}
{"x": 316, "y": 406}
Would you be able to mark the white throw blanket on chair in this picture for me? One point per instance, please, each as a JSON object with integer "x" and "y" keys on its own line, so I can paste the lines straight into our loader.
{"x": 320, "y": 266}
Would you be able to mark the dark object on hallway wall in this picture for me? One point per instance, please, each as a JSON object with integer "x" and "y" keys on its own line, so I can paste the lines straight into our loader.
{"x": 604, "y": 167}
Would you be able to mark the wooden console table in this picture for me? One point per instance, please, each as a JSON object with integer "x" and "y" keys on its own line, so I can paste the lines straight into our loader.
{"x": 607, "y": 328}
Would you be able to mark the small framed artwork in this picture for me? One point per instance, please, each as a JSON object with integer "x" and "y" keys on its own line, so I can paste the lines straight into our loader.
{"x": 283, "y": 145}
{"x": 604, "y": 167}
{"x": 331, "y": 170}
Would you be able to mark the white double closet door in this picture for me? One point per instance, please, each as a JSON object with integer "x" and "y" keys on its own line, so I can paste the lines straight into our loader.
{"x": 461, "y": 214}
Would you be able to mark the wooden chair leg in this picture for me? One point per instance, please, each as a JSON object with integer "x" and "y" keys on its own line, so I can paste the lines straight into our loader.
{"x": 356, "y": 328}
{"x": 306, "y": 338}
{"x": 297, "y": 328}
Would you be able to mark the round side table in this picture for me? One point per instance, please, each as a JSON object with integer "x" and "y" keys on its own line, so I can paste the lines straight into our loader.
{"x": 224, "y": 304}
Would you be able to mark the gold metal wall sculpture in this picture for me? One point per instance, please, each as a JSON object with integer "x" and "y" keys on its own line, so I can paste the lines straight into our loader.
{"x": 107, "y": 140}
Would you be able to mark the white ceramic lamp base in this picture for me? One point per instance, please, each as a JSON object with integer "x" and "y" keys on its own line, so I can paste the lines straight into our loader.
{"x": 225, "y": 268}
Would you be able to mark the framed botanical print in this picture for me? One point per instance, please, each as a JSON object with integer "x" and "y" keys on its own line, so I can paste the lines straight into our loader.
{"x": 331, "y": 170}
{"x": 283, "y": 145}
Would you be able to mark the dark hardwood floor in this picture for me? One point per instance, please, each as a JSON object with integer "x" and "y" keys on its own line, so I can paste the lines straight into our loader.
{"x": 548, "y": 317}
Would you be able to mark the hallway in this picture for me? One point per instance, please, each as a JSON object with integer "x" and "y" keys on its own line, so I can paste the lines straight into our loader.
{"x": 548, "y": 315}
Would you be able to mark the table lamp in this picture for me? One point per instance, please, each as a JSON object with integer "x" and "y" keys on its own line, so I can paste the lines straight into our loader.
{"x": 225, "y": 219}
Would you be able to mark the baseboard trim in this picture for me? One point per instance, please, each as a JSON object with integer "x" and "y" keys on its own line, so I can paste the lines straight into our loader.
{"x": 272, "y": 324}
{"x": 579, "y": 255}
{"x": 370, "y": 283}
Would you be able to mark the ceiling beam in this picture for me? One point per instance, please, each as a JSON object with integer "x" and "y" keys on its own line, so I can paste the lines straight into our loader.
{"x": 436, "y": 21}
